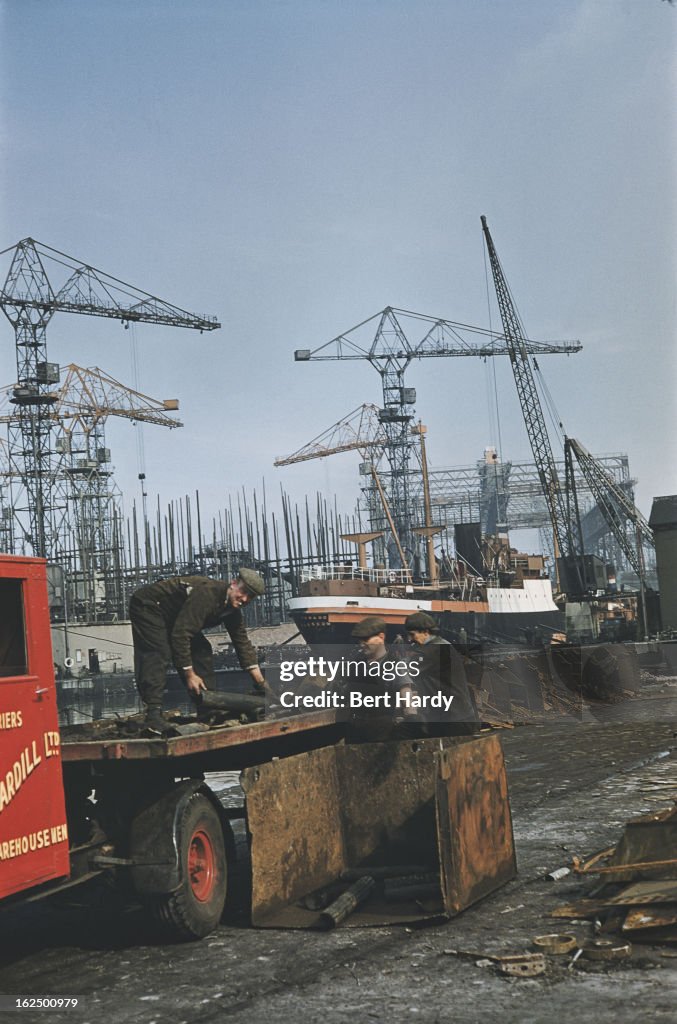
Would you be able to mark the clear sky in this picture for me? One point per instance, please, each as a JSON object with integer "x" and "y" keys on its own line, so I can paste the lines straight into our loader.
{"x": 293, "y": 167}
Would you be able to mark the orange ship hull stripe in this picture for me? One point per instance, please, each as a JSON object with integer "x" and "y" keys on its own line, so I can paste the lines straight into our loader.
{"x": 391, "y": 614}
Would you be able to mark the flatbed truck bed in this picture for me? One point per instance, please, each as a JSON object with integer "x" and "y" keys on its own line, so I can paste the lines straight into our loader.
{"x": 80, "y": 743}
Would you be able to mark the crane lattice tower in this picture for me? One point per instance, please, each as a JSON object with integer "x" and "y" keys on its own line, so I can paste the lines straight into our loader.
{"x": 400, "y": 337}
{"x": 29, "y": 298}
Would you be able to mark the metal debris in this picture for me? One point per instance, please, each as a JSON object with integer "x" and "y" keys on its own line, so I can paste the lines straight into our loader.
{"x": 555, "y": 944}
{"x": 554, "y": 876}
{"x": 606, "y": 949}
{"x": 341, "y": 908}
{"x": 649, "y": 917}
{"x": 522, "y": 965}
{"x": 526, "y": 965}
{"x": 647, "y": 892}
{"x": 646, "y": 908}
{"x": 640, "y": 866}
{"x": 404, "y": 893}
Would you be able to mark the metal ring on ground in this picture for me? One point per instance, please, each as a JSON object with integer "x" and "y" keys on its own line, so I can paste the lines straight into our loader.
{"x": 555, "y": 945}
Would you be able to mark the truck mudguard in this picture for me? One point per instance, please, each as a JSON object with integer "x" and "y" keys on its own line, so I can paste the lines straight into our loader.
{"x": 154, "y": 838}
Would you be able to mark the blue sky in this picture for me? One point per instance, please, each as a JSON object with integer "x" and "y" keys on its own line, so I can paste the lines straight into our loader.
{"x": 293, "y": 167}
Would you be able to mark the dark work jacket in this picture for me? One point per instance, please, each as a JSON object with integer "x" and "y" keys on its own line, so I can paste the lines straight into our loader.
{"x": 189, "y": 604}
{"x": 442, "y": 669}
{"x": 371, "y": 725}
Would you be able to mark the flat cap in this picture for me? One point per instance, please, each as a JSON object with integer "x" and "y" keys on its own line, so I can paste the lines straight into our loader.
{"x": 252, "y": 581}
{"x": 420, "y": 620}
{"x": 370, "y": 626}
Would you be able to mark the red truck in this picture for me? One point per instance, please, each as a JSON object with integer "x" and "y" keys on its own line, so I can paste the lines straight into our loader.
{"x": 135, "y": 807}
{"x": 141, "y": 811}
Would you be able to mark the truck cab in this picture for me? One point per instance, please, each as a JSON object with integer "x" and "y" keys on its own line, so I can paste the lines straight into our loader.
{"x": 33, "y": 830}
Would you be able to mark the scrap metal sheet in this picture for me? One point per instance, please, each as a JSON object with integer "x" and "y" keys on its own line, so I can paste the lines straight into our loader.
{"x": 477, "y": 852}
{"x": 293, "y": 816}
{"x": 388, "y": 802}
{"x": 647, "y": 892}
{"x": 650, "y": 838}
{"x": 650, "y": 917}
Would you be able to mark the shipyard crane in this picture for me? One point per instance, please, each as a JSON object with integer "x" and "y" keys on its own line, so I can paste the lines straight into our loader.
{"x": 29, "y": 298}
{"x": 85, "y": 401}
{"x": 88, "y": 396}
{"x": 390, "y": 349}
{"x": 454, "y": 491}
{"x": 567, "y": 537}
{"x": 89, "y": 531}
{"x": 616, "y": 507}
{"x": 362, "y": 431}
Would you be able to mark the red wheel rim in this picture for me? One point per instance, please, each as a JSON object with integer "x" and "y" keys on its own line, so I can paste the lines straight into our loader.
{"x": 201, "y": 862}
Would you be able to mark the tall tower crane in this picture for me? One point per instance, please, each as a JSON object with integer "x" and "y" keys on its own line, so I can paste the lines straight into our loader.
{"x": 390, "y": 349}
{"x": 89, "y": 539}
{"x": 520, "y": 352}
{"x": 86, "y": 399}
{"x": 29, "y": 298}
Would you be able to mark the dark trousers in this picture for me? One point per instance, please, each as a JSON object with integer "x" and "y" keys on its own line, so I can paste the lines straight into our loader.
{"x": 153, "y": 655}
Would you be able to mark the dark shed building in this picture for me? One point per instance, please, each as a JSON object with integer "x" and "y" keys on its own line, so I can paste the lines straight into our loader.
{"x": 663, "y": 522}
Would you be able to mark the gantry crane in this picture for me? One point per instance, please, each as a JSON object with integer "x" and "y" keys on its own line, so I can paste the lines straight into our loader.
{"x": 390, "y": 350}
{"x": 29, "y": 298}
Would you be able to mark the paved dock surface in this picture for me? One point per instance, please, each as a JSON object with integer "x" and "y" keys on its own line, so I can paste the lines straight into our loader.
{"x": 573, "y": 786}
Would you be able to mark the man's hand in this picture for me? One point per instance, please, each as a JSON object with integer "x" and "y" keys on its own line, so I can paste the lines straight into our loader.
{"x": 194, "y": 682}
{"x": 406, "y": 693}
{"x": 257, "y": 677}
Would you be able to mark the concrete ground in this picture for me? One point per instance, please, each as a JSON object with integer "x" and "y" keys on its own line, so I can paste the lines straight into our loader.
{"x": 572, "y": 789}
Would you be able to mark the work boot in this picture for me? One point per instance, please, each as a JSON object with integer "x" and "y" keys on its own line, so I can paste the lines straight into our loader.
{"x": 155, "y": 722}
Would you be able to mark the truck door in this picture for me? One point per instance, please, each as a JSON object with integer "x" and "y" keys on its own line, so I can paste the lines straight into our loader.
{"x": 33, "y": 832}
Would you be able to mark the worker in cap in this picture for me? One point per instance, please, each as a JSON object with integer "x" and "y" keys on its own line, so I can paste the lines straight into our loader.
{"x": 377, "y": 677}
{"x": 441, "y": 671}
{"x": 252, "y": 582}
{"x": 421, "y": 621}
{"x": 372, "y": 626}
{"x": 168, "y": 619}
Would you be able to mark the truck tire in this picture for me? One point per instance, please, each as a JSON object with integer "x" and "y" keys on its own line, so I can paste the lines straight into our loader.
{"x": 194, "y": 909}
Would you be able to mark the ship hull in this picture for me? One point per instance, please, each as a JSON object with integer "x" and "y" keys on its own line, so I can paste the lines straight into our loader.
{"x": 328, "y": 621}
